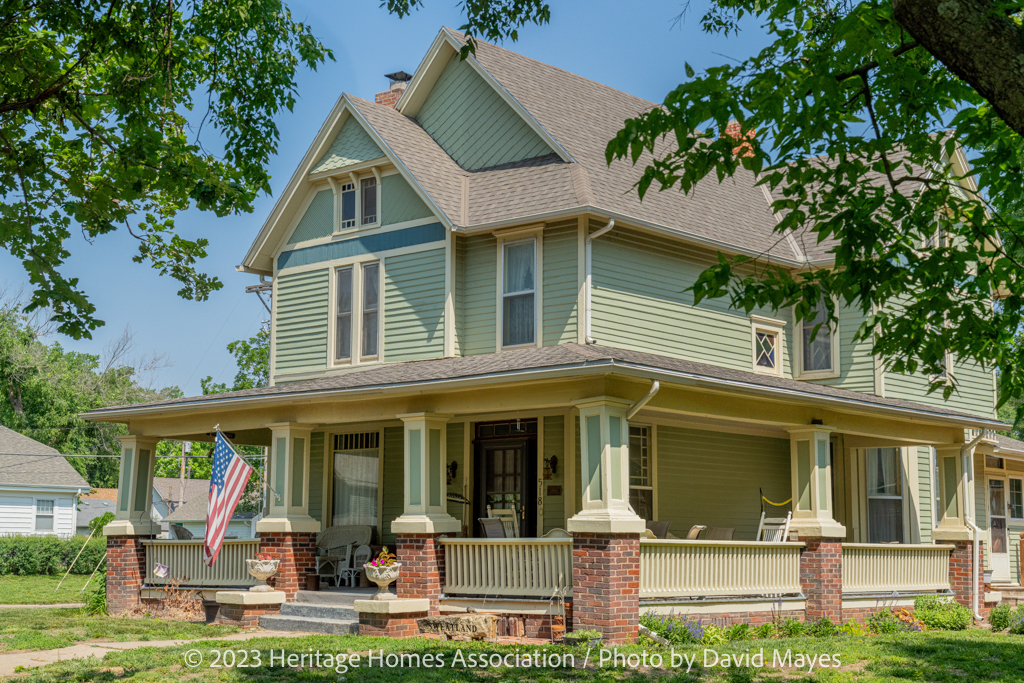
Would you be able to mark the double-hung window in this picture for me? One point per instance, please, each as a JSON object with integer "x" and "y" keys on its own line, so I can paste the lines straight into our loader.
{"x": 818, "y": 354}
{"x": 357, "y": 312}
{"x": 884, "y": 470}
{"x": 348, "y": 206}
{"x": 641, "y": 466}
{"x": 1016, "y": 498}
{"x": 519, "y": 293}
{"x": 369, "y": 203}
{"x": 44, "y": 515}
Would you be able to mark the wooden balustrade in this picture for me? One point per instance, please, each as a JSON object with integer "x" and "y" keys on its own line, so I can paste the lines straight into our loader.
{"x": 515, "y": 567}
{"x": 184, "y": 560}
{"x": 887, "y": 568}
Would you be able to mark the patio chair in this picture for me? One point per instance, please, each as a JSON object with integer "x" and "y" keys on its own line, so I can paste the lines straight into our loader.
{"x": 775, "y": 519}
{"x": 509, "y": 518}
{"x": 558, "y": 533}
{"x": 350, "y": 575}
{"x": 492, "y": 527}
{"x": 694, "y": 533}
{"x": 659, "y": 529}
{"x": 335, "y": 547}
{"x": 181, "y": 533}
{"x": 719, "y": 534}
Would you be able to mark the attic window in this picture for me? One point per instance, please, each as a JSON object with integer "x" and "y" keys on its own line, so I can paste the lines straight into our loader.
{"x": 766, "y": 341}
{"x": 369, "y": 203}
{"x": 348, "y": 205}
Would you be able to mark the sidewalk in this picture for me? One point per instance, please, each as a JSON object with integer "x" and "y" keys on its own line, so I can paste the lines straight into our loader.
{"x": 35, "y": 658}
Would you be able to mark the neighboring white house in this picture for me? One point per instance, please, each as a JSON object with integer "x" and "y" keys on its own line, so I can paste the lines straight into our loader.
{"x": 192, "y": 516}
{"x": 39, "y": 489}
{"x": 168, "y": 496}
{"x": 93, "y": 505}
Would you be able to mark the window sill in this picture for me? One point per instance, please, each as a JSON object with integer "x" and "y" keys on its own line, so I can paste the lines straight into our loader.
{"x": 818, "y": 375}
{"x": 356, "y": 230}
{"x": 767, "y": 371}
{"x": 528, "y": 345}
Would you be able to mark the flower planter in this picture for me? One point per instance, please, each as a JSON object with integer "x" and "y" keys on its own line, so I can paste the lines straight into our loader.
{"x": 383, "y": 576}
{"x": 262, "y": 570}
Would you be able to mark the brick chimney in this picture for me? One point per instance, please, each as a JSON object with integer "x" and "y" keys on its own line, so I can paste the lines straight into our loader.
{"x": 734, "y": 131}
{"x": 389, "y": 98}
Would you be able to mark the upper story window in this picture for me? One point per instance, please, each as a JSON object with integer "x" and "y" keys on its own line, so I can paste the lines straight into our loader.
{"x": 348, "y": 205}
{"x": 357, "y": 312}
{"x": 519, "y": 293}
{"x": 641, "y": 467}
{"x": 766, "y": 337}
{"x": 819, "y": 349}
{"x": 369, "y": 203}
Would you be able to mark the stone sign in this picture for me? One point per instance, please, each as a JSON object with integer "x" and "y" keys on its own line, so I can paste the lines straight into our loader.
{"x": 475, "y": 626}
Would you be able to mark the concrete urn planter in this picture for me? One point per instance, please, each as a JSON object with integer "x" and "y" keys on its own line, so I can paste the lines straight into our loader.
{"x": 383, "y": 576}
{"x": 262, "y": 570}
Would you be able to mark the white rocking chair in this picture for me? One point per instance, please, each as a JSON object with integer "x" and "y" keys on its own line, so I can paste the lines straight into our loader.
{"x": 509, "y": 520}
{"x": 774, "y": 529}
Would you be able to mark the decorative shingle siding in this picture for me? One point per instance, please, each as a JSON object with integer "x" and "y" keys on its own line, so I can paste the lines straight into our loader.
{"x": 352, "y": 146}
{"x": 392, "y": 485}
{"x": 470, "y": 121}
{"x": 414, "y": 306}
{"x": 399, "y": 202}
{"x": 477, "y": 282}
{"x": 318, "y": 221}
{"x": 301, "y": 319}
{"x": 554, "y": 446}
{"x": 641, "y": 302}
{"x": 560, "y": 283}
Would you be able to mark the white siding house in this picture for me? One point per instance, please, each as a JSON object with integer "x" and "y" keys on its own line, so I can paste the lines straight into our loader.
{"x": 39, "y": 489}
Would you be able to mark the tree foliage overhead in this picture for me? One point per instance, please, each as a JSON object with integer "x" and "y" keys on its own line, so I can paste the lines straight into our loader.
{"x": 103, "y": 106}
{"x": 851, "y": 120}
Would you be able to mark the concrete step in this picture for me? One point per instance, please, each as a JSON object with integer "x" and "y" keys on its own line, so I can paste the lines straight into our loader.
{"x": 315, "y": 610}
{"x": 310, "y": 625}
{"x": 345, "y": 597}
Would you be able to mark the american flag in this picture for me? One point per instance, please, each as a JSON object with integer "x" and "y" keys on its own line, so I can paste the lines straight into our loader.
{"x": 227, "y": 483}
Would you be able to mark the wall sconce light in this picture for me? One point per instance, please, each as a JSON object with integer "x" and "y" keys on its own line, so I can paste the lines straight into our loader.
{"x": 551, "y": 464}
{"x": 452, "y": 469}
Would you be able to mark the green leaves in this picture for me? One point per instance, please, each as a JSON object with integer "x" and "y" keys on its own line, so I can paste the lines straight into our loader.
{"x": 94, "y": 135}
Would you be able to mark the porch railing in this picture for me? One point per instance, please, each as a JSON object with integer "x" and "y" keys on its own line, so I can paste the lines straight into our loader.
{"x": 515, "y": 567}
{"x": 680, "y": 568}
{"x": 184, "y": 560}
{"x": 884, "y": 568}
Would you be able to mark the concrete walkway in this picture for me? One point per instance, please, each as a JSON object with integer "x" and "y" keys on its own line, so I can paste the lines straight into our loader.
{"x": 8, "y": 662}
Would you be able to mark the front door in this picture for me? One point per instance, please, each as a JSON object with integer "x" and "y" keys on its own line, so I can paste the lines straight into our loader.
{"x": 505, "y": 469}
{"x": 999, "y": 555}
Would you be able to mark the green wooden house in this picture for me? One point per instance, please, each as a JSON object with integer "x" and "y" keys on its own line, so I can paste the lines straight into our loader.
{"x": 471, "y": 309}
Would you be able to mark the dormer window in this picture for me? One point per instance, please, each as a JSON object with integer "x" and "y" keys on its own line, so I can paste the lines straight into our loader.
{"x": 348, "y": 205}
{"x": 369, "y": 203}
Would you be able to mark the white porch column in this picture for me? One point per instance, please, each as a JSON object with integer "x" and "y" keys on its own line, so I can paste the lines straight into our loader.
{"x": 288, "y": 479}
{"x": 135, "y": 488}
{"x": 811, "y": 473}
{"x": 955, "y": 484}
{"x": 426, "y": 504}
{"x": 604, "y": 460}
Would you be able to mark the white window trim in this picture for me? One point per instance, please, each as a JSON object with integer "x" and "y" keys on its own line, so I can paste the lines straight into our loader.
{"x": 911, "y": 531}
{"x": 798, "y": 342}
{"x": 508, "y": 238}
{"x": 771, "y": 326}
{"x": 36, "y": 515}
{"x": 946, "y": 379}
{"x": 652, "y": 464}
{"x": 356, "y": 359}
{"x": 356, "y": 179}
{"x": 1009, "y": 511}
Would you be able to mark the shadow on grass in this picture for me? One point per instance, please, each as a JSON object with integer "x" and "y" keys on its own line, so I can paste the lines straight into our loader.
{"x": 948, "y": 657}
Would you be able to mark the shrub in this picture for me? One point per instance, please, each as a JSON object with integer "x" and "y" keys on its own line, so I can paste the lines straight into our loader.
{"x": 852, "y": 628}
{"x": 739, "y": 632}
{"x": 944, "y": 614}
{"x": 97, "y": 600}
{"x": 675, "y": 629}
{"x": 1017, "y": 622}
{"x": 25, "y": 555}
{"x": 713, "y": 635}
{"x": 823, "y": 628}
{"x": 764, "y": 631}
{"x": 884, "y": 622}
{"x": 792, "y": 628}
{"x": 1000, "y": 617}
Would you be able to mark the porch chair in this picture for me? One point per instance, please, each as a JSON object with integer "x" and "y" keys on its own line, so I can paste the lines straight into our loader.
{"x": 775, "y": 519}
{"x": 719, "y": 533}
{"x": 492, "y": 527}
{"x": 659, "y": 529}
{"x": 508, "y": 518}
{"x": 350, "y": 575}
{"x": 335, "y": 547}
{"x": 181, "y": 533}
{"x": 694, "y": 533}
{"x": 558, "y": 533}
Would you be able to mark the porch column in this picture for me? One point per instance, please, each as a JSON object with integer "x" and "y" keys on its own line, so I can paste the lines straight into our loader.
{"x": 606, "y": 532}
{"x": 821, "y": 563}
{"x": 955, "y": 484}
{"x": 287, "y": 532}
{"x": 126, "y": 555}
{"x": 425, "y": 516}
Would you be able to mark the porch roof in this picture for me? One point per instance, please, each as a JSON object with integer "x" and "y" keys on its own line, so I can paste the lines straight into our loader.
{"x": 1009, "y": 446}
{"x": 546, "y": 363}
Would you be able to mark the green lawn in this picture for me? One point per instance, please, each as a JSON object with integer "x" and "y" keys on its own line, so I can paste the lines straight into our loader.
{"x": 49, "y": 628}
{"x": 38, "y": 590}
{"x": 944, "y": 657}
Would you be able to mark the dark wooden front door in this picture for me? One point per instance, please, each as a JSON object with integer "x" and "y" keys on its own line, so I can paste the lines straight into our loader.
{"x": 506, "y": 473}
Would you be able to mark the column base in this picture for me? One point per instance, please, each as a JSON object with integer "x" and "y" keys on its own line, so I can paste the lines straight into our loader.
{"x": 425, "y": 524}
{"x": 422, "y": 573}
{"x": 952, "y": 533}
{"x": 126, "y": 571}
{"x": 961, "y": 573}
{"x": 132, "y": 527}
{"x": 606, "y": 585}
{"x": 816, "y": 528}
{"x": 299, "y": 524}
{"x": 605, "y": 522}
{"x": 297, "y": 553}
{"x": 821, "y": 577}
{"x": 242, "y": 608}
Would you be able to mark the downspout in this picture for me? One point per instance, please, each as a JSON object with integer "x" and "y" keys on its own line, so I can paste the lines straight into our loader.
{"x": 590, "y": 260}
{"x": 969, "y": 519}
{"x": 636, "y": 407}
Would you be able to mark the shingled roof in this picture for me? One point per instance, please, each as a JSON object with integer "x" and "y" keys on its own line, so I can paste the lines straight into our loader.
{"x": 26, "y": 461}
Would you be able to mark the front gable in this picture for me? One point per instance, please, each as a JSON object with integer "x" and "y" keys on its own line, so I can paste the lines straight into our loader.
{"x": 351, "y": 146}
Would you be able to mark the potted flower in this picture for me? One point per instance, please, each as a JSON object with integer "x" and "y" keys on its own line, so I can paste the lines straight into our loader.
{"x": 590, "y": 637}
{"x": 262, "y": 567}
{"x": 382, "y": 570}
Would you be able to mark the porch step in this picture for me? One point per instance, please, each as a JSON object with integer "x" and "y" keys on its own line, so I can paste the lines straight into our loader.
{"x": 310, "y": 624}
{"x": 314, "y": 610}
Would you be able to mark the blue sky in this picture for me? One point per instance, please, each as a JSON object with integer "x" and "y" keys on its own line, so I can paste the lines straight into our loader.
{"x": 630, "y": 46}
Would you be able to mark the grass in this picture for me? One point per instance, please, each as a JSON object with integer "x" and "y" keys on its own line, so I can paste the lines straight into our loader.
{"x": 943, "y": 657}
{"x": 49, "y": 628}
{"x": 38, "y": 589}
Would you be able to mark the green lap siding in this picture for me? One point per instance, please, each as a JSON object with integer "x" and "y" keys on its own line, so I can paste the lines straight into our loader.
{"x": 712, "y": 478}
{"x": 560, "y": 291}
{"x": 554, "y": 446}
{"x": 473, "y": 124}
{"x": 393, "y": 482}
{"x": 856, "y": 364}
{"x": 399, "y": 202}
{"x": 300, "y": 320}
{"x": 973, "y": 394}
{"x": 316, "y": 482}
{"x": 414, "y": 306}
{"x": 352, "y": 146}
{"x": 454, "y": 453}
{"x": 318, "y": 221}
{"x": 925, "y": 497}
{"x": 477, "y": 273}
{"x": 579, "y": 469}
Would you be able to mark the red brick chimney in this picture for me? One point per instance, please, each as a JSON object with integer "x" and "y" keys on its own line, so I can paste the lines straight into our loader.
{"x": 390, "y": 97}
{"x": 734, "y": 131}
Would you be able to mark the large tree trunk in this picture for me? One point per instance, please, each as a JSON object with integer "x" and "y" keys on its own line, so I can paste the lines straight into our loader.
{"x": 983, "y": 48}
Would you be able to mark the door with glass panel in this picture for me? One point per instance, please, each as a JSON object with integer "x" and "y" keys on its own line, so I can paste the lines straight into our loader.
{"x": 998, "y": 549}
{"x": 884, "y": 478}
{"x": 505, "y": 466}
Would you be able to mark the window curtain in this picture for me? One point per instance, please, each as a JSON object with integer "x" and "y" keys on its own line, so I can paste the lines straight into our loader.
{"x": 355, "y": 488}
{"x": 818, "y": 353}
{"x": 518, "y": 311}
{"x": 885, "y": 495}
